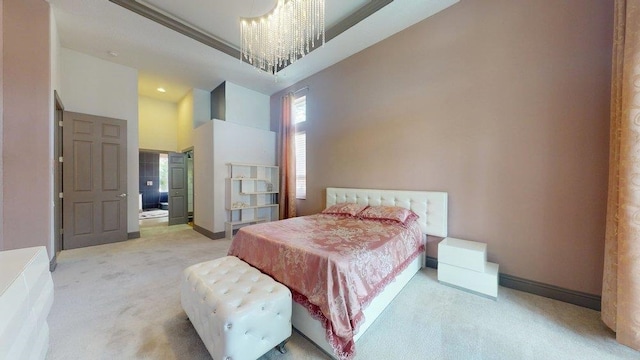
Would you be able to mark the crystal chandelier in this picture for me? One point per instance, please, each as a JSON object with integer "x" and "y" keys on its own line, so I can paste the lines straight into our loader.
{"x": 286, "y": 33}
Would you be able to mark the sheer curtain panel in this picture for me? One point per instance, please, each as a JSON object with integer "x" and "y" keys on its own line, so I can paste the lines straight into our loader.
{"x": 621, "y": 281}
{"x": 286, "y": 152}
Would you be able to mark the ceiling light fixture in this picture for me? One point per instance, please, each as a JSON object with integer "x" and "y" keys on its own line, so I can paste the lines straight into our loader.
{"x": 162, "y": 90}
{"x": 286, "y": 33}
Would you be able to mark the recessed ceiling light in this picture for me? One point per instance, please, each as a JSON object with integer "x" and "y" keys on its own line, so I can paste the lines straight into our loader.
{"x": 162, "y": 90}
{"x": 112, "y": 53}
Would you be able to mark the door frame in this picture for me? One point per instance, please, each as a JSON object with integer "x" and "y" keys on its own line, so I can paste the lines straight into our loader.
{"x": 190, "y": 215}
{"x": 58, "y": 109}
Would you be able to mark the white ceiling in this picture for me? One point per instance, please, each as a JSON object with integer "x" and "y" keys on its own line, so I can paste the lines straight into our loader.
{"x": 166, "y": 58}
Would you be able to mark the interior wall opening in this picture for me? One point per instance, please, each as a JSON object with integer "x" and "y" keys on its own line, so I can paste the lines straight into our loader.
{"x": 153, "y": 198}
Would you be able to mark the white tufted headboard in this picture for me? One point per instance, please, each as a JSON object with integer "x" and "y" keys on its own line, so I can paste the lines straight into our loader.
{"x": 430, "y": 206}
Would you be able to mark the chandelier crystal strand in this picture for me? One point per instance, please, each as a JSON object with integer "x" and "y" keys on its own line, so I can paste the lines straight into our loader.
{"x": 279, "y": 38}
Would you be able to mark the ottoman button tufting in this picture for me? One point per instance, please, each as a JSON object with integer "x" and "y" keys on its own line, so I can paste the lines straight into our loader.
{"x": 228, "y": 315}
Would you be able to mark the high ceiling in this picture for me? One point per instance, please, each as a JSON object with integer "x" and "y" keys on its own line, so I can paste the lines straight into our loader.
{"x": 166, "y": 58}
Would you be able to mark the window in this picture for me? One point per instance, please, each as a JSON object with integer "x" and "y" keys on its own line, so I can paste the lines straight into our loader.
{"x": 164, "y": 173}
{"x": 299, "y": 110}
{"x": 301, "y": 165}
{"x": 299, "y": 117}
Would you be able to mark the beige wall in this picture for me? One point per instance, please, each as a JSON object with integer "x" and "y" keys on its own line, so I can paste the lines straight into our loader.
{"x": 201, "y": 106}
{"x": 26, "y": 187}
{"x": 503, "y": 104}
{"x": 185, "y": 121}
{"x": 54, "y": 62}
{"x": 193, "y": 111}
{"x": 158, "y": 124}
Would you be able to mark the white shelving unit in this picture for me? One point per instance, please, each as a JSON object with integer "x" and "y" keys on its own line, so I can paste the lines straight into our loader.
{"x": 252, "y": 195}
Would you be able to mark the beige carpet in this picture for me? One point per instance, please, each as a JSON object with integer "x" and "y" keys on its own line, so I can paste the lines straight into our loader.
{"x": 121, "y": 301}
{"x": 153, "y": 214}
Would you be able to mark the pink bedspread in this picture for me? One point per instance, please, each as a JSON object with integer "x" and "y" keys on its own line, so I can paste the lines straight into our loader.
{"x": 333, "y": 265}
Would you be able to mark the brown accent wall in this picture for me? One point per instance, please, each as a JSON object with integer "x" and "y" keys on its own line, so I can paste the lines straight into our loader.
{"x": 1, "y": 119}
{"x": 26, "y": 140}
{"x": 503, "y": 104}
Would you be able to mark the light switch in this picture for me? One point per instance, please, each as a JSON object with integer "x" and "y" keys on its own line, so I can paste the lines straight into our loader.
{"x": 149, "y": 183}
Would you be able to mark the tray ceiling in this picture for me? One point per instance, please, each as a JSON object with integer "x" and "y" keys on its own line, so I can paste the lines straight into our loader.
{"x": 165, "y": 57}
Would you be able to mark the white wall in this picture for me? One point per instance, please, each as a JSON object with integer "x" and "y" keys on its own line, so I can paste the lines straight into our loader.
{"x": 217, "y": 143}
{"x": 243, "y": 137}
{"x": 193, "y": 111}
{"x": 203, "y": 176}
{"x": 185, "y": 122}
{"x": 94, "y": 86}
{"x": 157, "y": 124}
{"x": 201, "y": 107}
{"x": 241, "y": 144}
{"x": 247, "y": 107}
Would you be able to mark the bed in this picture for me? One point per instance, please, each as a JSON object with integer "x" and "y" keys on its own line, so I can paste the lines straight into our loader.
{"x": 338, "y": 318}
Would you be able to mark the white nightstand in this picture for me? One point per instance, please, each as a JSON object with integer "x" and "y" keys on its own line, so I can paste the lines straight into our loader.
{"x": 463, "y": 264}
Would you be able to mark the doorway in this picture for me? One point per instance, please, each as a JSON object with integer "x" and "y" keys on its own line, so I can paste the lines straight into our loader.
{"x": 153, "y": 185}
{"x": 189, "y": 154}
{"x": 177, "y": 193}
{"x": 163, "y": 188}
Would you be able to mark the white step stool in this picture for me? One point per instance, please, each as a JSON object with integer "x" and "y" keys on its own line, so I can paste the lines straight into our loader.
{"x": 239, "y": 312}
{"x": 463, "y": 264}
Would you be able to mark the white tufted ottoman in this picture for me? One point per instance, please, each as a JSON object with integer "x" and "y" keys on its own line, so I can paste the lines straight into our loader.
{"x": 239, "y": 312}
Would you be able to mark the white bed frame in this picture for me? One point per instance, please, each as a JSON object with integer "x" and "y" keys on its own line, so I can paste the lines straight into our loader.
{"x": 430, "y": 206}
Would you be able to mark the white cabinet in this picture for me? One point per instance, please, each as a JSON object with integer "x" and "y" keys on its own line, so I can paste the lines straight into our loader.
{"x": 252, "y": 195}
{"x": 463, "y": 264}
{"x": 26, "y": 296}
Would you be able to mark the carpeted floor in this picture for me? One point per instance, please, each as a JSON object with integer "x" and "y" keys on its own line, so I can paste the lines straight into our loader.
{"x": 121, "y": 301}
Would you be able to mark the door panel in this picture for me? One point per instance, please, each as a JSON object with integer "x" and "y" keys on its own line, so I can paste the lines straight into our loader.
{"x": 110, "y": 168}
{"x": 95, "y": 180}
{"x": 82, "y": 166}
{"x": 177, "y": 189}
{"x": 111, "y": 215}
{"x": 178, "y": 178}
{"x": 178, "y": 205}
{"x": 83, "y": 222}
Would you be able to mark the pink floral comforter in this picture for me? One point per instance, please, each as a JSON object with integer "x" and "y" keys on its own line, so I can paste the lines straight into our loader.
{"x": 333, "y": 265}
